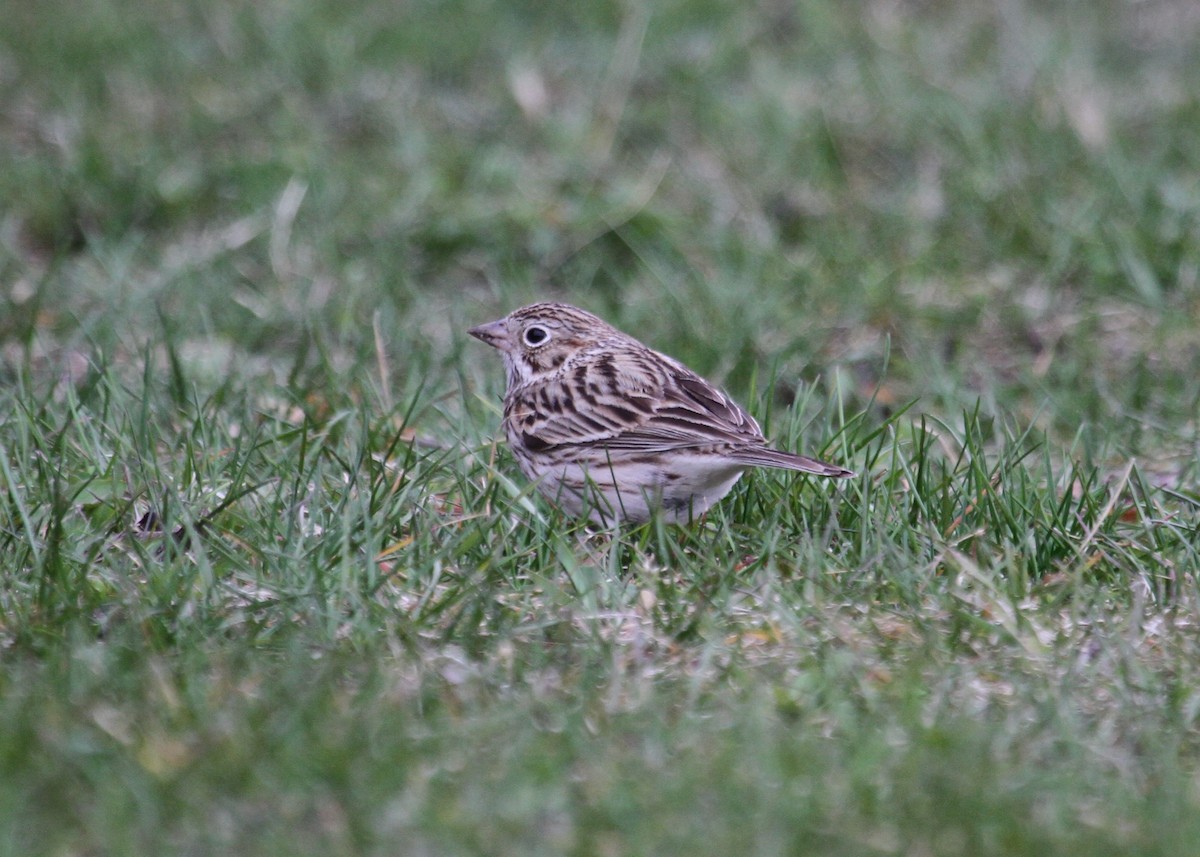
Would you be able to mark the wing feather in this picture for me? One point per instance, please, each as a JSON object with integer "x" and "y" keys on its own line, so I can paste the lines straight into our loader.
{"x": 638, "y": 401}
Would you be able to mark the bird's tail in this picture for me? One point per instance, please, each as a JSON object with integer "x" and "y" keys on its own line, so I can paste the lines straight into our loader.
{"x": 767, "y": 457}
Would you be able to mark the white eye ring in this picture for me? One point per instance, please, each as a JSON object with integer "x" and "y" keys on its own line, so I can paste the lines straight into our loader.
{"x": 535, "y": 335}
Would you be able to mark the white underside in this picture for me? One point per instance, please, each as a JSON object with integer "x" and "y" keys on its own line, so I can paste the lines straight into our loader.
{"x": 634, "y": 491}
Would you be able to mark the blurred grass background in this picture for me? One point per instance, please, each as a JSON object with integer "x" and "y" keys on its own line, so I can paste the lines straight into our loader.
{"x": 268, "y": 588}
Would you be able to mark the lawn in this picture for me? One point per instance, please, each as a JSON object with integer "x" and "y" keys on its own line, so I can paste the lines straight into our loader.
{"x": 270, "y": 582}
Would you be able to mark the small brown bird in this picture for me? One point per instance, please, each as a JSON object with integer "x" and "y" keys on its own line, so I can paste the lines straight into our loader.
{"x": 604, "y": 425}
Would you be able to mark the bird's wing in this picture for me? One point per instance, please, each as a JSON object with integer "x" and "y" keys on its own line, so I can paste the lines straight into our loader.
{"x": 636, "y": 401}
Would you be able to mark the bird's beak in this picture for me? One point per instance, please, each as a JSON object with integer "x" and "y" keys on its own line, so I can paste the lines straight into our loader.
{"x": 494, "y": 333}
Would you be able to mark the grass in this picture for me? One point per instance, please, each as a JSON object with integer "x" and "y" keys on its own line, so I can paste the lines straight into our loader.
{"x": 268, "y": 585}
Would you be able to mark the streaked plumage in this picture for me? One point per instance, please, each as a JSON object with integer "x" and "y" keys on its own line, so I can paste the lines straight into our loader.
{"x": 607, "y": 426}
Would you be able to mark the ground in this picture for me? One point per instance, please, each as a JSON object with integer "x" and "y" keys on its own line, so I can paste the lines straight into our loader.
{"x": 270, "y": 584}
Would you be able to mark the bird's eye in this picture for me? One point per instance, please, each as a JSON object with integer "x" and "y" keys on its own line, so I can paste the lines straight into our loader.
{"x": 536, "y": 335}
